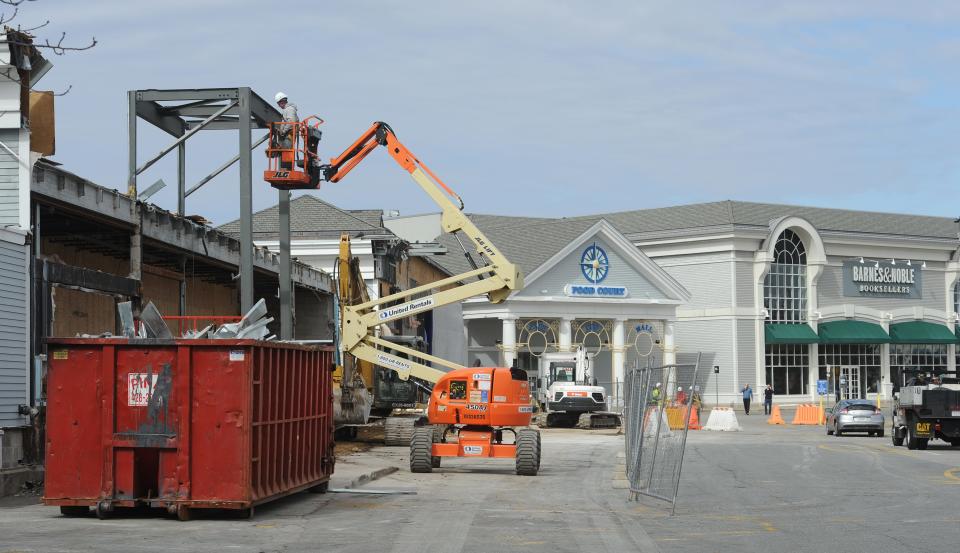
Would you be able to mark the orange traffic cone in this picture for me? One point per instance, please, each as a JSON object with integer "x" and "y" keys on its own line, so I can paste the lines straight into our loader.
{"x": 694, "y": 420}
{"x": 775, "y": 416}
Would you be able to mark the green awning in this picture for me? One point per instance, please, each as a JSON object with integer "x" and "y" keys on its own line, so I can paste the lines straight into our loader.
{"x": 921, "y": 332}
{"x": 852, "y": 332}
{"x": 784, "y": 333}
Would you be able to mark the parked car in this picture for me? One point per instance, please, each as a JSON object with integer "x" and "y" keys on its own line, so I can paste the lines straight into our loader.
{"x": 854, "y": 415}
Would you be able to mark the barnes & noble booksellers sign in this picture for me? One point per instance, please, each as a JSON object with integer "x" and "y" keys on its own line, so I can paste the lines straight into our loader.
{"x": 886, "y": 280}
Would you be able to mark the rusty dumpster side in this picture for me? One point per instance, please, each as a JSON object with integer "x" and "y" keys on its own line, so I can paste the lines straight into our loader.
{"x": 185, "y": 424}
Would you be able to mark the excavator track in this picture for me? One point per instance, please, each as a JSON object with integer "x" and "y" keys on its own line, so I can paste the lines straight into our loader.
{"x": 599, "y": 420}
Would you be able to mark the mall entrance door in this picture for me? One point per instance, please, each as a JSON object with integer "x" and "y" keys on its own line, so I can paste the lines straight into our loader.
{"x": 850, "y": 382}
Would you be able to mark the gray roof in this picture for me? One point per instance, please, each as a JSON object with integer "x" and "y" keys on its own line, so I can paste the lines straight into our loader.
{"x": 530, "y": 241}
{"x": 736, "y": 213}
{"x": 311, "y": 217}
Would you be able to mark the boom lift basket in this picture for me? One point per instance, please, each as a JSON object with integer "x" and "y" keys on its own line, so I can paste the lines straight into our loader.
{"x": 292, "y": 162}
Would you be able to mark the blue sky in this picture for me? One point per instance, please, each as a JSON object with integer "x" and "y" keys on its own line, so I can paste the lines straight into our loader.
{"x": 544, "y": 108}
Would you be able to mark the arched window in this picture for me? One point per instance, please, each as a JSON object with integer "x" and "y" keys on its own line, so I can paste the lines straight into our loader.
{"x": 956, "y": 297}
{"x": 785, "y": 298}
{"x": 785, "y": 287}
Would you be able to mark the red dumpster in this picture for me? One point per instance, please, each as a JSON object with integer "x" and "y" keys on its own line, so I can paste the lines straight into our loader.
{"x": 183, "y": 424}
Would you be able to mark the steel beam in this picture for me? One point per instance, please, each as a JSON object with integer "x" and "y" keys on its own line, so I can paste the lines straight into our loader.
{"x": 286, "y": 285}
{"x": 246, "y": 204}
{"x": 80, "y": 277}
{"x": 204, "y": 110}
{"x": 181, "y": 179}
{"x": 188, "y": 94}
{"x": 223, "y": 167}
{"x": 185, "y": 136}
{"x": 152, "y": 113}
{"x": 132, "y": 144}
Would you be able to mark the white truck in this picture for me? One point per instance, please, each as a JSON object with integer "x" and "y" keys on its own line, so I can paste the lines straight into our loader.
{"x": 568, "y": 394}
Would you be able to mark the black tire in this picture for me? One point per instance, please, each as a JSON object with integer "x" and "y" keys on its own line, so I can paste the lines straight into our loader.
{"x": 74, "y": 510}
{"x": 879, "y": 433}
{"x": 896, "y": 436}
{"x": 837, "y": 432}
{"x": 829, "y": 431}
{"x": 528, "y": 452}
{"x": 435, "y": 462}
{"x": 398, "y": 431}
{"x": 103, "y": 510}
{"x": 421, "y": 450}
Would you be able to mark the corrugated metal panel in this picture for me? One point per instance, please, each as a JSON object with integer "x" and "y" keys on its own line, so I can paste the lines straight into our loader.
{"x": 13, "y": 336}
{"x": 746, "y": 352}
{"x": 713, "y": 338}
{"x": 830, "y": 288}
{"x": 567, "y": 271}
{"x": 9, "y": 179}
{"x": 708, "y": 283}
{"x": 745, "y": 284}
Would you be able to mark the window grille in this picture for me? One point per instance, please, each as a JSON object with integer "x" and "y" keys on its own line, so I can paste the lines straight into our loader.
{"x": 785, "y": 286}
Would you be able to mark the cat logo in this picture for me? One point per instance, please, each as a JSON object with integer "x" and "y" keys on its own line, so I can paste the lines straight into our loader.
{"x": 281, "y": 174}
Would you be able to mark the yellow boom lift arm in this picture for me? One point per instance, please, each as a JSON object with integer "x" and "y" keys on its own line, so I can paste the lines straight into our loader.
{"x": 494, "y": 276}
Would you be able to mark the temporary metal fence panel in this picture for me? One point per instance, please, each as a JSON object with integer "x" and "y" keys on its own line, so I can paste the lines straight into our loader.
{"x": 659, "y": 402}
{"x": 183, "y": 424}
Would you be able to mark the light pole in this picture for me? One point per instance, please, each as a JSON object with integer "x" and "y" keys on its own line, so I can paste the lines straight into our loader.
{"x": 716, "y": 383}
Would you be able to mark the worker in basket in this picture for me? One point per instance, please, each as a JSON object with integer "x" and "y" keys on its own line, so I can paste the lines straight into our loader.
{"x": 284, "y": 136}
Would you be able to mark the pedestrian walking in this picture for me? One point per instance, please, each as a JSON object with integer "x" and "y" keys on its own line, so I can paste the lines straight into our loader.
{"x": 747, "y": 398}
{"x": 768, "y": 400}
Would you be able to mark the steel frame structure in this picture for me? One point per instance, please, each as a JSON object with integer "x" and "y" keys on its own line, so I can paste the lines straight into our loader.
{"x": 182, "y": 113}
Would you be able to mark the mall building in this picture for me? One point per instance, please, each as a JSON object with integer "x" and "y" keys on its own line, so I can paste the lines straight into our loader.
{"x": 776, "y": 294}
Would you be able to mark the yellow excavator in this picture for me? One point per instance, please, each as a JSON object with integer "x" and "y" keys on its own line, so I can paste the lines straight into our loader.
{"x": 363, "y": 390}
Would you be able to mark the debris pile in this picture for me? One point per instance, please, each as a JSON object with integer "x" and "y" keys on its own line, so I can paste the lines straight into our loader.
{"x": 252, "y": 326}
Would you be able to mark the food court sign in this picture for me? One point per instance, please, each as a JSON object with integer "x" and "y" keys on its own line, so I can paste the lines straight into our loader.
{"x": 883, "y": 279}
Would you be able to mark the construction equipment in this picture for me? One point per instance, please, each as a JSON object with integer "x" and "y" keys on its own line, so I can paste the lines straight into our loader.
{"x": 292, "y": 162}
{"x": 927, "y": 406}
{"x": 506, "y": 401}
{"x": 568, "y": 393}
{"x": 361, "y": 389}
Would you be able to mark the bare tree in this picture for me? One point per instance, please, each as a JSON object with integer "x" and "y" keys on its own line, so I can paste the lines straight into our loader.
{"x": 25, "y": 45}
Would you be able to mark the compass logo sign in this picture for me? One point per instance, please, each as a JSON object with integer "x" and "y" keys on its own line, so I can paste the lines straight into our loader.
{"x": 594, "y": 263}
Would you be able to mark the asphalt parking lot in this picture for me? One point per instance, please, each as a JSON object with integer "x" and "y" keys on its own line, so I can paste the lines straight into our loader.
{"x": 786, "y": 488}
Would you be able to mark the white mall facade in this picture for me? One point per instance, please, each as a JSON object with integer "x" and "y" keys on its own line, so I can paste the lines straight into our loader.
{"x": 767, "y": 293}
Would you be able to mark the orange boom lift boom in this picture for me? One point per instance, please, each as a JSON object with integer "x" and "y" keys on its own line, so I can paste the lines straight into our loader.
{"x": 473, "y": 412}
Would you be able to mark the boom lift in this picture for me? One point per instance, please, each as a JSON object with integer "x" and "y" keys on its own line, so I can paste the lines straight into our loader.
{"x": 482, "y": 405}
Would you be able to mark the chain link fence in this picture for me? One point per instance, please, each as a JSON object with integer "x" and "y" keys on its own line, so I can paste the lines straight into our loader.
{"x": 660, "y": 402}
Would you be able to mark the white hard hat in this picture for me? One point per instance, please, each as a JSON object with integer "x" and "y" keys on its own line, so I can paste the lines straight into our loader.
{"x": 679, "y": 388}
{"x": 279, "y": 96}
{"x": 658, "y": 384}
